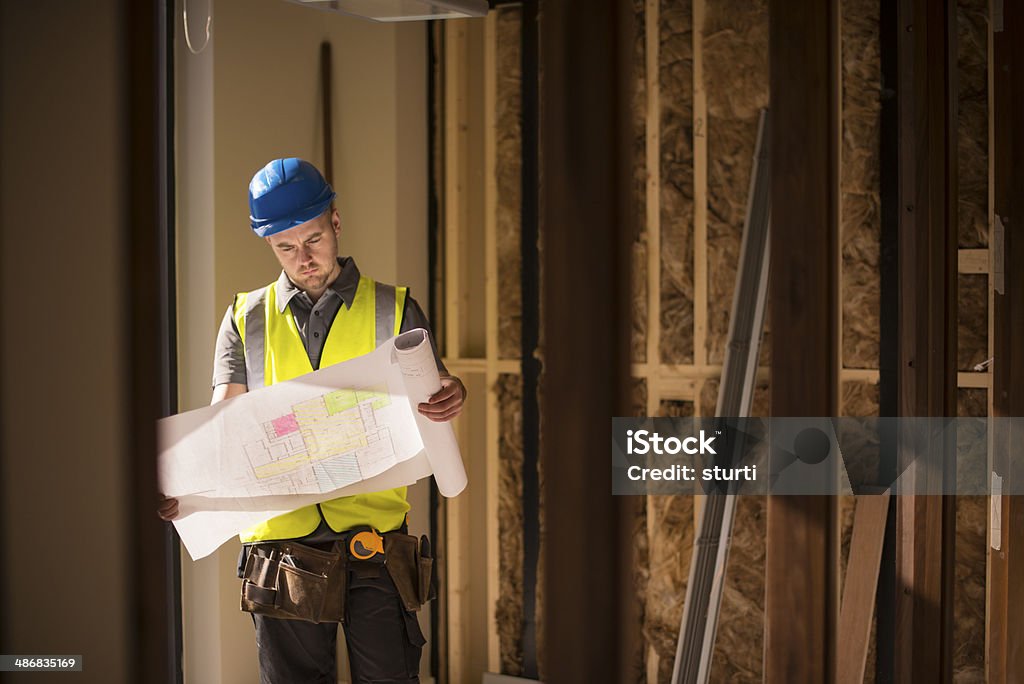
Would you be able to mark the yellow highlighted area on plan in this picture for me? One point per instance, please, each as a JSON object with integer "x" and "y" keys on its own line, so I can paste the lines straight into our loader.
{"x": 340, "y": 401}
{"x": 330, "y": 425}
{"x": 345, "y": 399}
{"x": 281, "y": 466}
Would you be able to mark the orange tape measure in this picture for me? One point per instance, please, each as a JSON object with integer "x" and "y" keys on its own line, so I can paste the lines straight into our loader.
{"x": 365, "y": 544}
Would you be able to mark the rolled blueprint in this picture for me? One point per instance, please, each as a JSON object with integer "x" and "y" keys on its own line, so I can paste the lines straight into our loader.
{"x": 416, "y": 359}
{"x": 349, "y": 428}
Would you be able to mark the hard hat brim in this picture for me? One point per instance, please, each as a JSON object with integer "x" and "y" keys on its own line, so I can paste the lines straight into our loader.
{"x": 264, "y": 228}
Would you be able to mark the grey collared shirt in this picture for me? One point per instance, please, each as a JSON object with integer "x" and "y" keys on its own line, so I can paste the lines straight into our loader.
{"x": 312, "y": 319}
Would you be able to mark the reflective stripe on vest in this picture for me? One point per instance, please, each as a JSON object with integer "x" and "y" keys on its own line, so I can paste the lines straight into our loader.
{"x": 274, "y": 352}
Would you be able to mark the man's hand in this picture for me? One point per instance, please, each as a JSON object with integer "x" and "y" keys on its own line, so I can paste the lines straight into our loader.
{"x": 168, "y": 509}
{"x": 446, "y": 402}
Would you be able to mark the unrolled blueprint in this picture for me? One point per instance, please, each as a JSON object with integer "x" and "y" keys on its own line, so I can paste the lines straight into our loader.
{"x": 350, "y": 428}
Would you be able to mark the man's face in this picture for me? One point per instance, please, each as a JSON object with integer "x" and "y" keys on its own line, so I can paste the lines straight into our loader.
{"x": 308, "y": 252}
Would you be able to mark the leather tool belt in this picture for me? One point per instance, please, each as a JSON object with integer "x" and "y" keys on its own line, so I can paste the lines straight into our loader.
{"x": 292, "y": 581}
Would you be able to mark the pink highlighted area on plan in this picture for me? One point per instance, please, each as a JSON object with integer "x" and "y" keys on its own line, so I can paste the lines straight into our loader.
{"x": 285, "y": 425}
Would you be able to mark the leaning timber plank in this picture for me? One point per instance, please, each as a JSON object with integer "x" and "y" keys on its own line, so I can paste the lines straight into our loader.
{"x": 854, "y": 631}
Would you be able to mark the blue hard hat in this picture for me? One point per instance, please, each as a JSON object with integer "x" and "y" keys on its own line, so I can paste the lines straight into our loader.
{"x": 286, "y": 193}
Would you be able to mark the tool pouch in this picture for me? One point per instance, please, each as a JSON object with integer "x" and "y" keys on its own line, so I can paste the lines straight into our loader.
{"x": 295, "y": 582}
{"x": 410, "y": 570}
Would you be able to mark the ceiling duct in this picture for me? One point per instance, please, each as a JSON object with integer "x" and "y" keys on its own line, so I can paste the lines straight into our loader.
{"x": 402, "y": 10}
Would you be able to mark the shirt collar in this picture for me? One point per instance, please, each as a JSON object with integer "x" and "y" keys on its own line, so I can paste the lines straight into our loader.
{"x": 344, "y": 285}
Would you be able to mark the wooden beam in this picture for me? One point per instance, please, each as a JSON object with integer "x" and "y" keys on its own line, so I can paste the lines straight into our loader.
{"x": 678, "y": 389}
{"x": 456, "y": 137}
{"x": 700, "y": 222}
{"x": 800, "y": 578}
{"x": 928, "y": 324}
{"x": 456, "y": 134}
{"x": 493, "y": 419}
{"x": 687, "y": 371}
{"x": 590, "y": 619}
{"x": 652, "y": 158}
{"x": 478, "y": 365}
{"x": 700, "y": 190}
{"x": 868, "y": 375}
{"x": 652, "y": 205}
{"x": 854, "y": 632}
{"x": 1006, "y": 564}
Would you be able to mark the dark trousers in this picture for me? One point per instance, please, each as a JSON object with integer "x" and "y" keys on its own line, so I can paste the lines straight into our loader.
{"x": 384, "y": 640}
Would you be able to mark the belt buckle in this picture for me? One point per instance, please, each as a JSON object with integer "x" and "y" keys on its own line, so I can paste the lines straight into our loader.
{"x": 366, "y": 544}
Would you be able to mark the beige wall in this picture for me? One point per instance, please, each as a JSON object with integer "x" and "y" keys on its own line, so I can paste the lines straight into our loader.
{"x": 250, "y": 96}
{"x": 63, "y": 456}
{"x": 266, "y": 105}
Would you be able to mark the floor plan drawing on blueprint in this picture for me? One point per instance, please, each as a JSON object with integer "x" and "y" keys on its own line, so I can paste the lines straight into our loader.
{"x": 324, "y": 443}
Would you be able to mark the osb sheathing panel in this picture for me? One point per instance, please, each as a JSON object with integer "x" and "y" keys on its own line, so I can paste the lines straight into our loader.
{"x": 860, "y": 227}
{"x": 972, "y": 321}
{"x": 509, "y": 609}
{"x": 641, "y": 547}
{"x": 970, "y": 549}
{"x": 670, "y": 530}
{"x": 638, "y": 403}
{"x": 969, "y": 590}
{"x": 675, "y": 77}
{"x": 508, "y": 167}
{"x": 736, "y": 80}
{"x": 972, "y": 438}
{"x": 670, "y": 539}
{"x": 972, "y": 125}
{"x": 638, "y": 397}
{"x": 759, "y": 407}
{"x": 972, "y": 402}
{"x": 675, "y": 408}
{"x": 638, "y": 291}
{"x": 860, "y": 399}
{"x": 639, "y": 265}
{"x": 847, "y": 506}
{"x": 738, "y": 646}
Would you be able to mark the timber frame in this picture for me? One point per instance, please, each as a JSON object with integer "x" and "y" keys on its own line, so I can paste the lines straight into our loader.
{"x": 923, "y": 379}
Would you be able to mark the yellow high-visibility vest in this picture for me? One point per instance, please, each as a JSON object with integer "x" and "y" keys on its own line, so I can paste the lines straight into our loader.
{"x": 274, "y": 352}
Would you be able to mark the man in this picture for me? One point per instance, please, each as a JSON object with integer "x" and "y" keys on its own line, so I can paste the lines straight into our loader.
{"x": 321, "y": 311}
